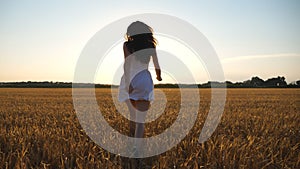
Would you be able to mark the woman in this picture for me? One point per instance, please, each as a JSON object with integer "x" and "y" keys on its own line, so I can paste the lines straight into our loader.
{"x": 136, "y": 88}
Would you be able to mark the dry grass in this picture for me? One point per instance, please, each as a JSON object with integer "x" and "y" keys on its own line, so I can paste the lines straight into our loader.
{"x": 260, "y": 128}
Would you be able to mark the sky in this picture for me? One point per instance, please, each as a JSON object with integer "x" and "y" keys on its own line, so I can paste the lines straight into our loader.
{"x": 42, "y": 40}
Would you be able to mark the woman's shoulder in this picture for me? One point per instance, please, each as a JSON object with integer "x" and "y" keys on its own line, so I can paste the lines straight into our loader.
{"x": 126, "y": 49}
{"x": 125, "y": 45}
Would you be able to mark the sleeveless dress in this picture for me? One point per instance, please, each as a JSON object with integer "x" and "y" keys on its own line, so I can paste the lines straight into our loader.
{"x": 141, "y": 83}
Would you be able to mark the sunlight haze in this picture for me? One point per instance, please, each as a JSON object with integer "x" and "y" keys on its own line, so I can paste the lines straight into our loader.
{"x": 42, "y": 40}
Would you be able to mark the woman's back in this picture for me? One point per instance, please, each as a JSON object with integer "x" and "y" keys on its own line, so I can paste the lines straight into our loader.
{"x": 135, "y": 65}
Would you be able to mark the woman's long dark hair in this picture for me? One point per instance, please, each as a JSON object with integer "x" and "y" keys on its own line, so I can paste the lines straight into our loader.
{"x": 140, "y": 36}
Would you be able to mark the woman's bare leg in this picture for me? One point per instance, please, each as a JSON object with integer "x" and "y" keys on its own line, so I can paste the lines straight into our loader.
{"x": 142, "y": 107}
{"x": 138, "y": 111}
{"x": 132, "y": 111}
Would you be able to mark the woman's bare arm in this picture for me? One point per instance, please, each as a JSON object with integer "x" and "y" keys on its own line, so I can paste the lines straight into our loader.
{"x": 157, "y": 67}
{"x": 126, "y": 66}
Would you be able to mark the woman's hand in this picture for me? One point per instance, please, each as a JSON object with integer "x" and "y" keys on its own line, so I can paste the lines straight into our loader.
{"x": 158, "y": 73}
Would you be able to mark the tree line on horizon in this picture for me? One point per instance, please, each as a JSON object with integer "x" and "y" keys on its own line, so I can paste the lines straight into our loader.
{"x": 254, "y": 82}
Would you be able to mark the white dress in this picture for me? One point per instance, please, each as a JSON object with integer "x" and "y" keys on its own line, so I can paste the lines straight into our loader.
{"x": 141, "y": 83}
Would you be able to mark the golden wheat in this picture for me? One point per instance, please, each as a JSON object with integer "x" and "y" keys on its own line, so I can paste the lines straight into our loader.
{"x": 260, "y": 128}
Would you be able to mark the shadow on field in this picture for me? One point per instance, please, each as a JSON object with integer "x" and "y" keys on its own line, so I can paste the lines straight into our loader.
{"x": 133, "y": 163}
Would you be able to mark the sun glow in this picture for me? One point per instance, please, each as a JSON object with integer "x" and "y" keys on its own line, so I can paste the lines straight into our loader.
{"x": 110, "y": 69}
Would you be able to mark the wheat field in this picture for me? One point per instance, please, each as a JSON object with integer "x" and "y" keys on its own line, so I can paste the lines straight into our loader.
{"x": 260, "y": 128}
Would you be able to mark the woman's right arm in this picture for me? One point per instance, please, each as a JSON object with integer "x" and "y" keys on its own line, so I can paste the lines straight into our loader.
{"x": 126, "y": 66}
{"x": 157, "y": 67}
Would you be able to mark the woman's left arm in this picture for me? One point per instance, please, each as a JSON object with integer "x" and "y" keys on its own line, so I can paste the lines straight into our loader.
{"x": 156, "y": 65}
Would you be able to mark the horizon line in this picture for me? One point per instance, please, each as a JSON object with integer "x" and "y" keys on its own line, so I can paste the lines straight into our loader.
{"x": 52, "y": 81}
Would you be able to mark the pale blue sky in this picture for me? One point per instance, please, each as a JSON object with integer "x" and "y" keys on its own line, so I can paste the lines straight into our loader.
{"x": 42, "y": 40}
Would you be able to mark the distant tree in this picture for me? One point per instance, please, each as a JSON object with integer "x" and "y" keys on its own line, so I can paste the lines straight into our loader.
{"x": 276, "y": 82}
{"x": 293, "y": 84}
{"x": 246, "y": 83}
{"x": 238, "y": 84}
{"x": 229, "y": 84}
{"x": 256, "y": 82}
